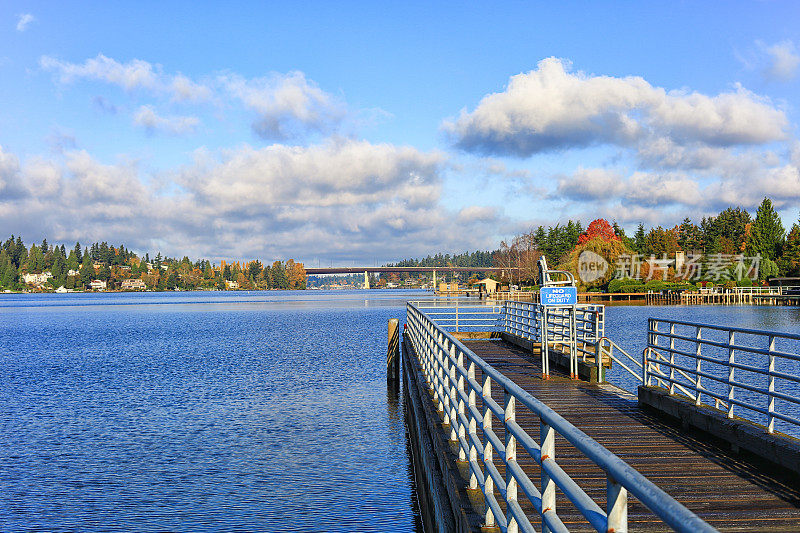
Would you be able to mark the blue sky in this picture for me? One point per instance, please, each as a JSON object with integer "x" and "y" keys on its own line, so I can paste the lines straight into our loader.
{"x": 341, "y": 132}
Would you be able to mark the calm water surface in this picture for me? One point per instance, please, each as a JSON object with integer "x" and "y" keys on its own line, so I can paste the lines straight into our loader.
{"x": 224, "y": 411}
{"x": 201, "y": 411}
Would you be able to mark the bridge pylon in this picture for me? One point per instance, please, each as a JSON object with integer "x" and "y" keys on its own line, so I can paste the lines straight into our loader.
{"x": 366, "y": 279}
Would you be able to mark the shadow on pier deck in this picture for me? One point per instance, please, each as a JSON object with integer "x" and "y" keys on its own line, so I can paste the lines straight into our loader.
{"x": 730, "y": 491}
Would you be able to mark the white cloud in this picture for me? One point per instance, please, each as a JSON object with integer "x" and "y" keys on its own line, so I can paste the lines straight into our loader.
{"x": 590, "y": 184}
{"x": 24, "y": 21}
{"x": 133, "y": 75}
{"x": 660, "y": 190}
{"x": 341, "y": 200}
{"x": 148, "y": 118}
{"x": 781, "y": 60}
{"x": 552, "y": 108}
{"x": 286, "y": 104}
{"x": 343, "y": 173}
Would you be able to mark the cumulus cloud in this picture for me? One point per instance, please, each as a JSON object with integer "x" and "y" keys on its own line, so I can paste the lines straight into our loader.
{"x": 148, "y": 118}
{"x": 739, "y": 180}
{"x": 24, "y": 21}
{"x": 553, "y": 108}
{"x": 590, "y": 184}
{"x": 286, "y": 104}
{"x": 339, "y": 200}
{"x": 133, "y": 75}
{"x": 345, "y": 173}
{"x": 780, "y": 60}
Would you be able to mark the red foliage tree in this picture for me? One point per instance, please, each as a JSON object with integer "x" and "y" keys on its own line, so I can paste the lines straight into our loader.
{"x": 598, "y": 228}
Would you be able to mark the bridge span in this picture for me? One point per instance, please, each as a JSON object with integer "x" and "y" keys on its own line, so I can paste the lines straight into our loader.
{"x": 399, "y": 270}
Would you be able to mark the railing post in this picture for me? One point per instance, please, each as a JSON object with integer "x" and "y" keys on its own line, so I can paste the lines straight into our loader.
{"x": 731, "y": 357}
{"x": 771, "y": 396}
{"x": 598, "y": 360}
{"x": 645, "y": 363}
{"x": 698, "y": 339}
{"x": 452, "y": 395}
{"x": 488, "y": 487}
{"x": 444, "y": 398}
{"x": 616, "y": 506}
{"x": 509, "y": 412}
{"x": 672, "y": 358}
{"x": 543, "y": 342}
{"x": 547, "y": 437}
{"x": 462, "y": 431}
{"x": 473, "y": 427}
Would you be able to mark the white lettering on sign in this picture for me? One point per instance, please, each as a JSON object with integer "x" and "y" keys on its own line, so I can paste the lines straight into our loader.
{"x": 559, "y": 295}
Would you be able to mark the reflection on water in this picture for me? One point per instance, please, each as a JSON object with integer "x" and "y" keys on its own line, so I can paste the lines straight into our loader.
{"x": 201, "y": 411}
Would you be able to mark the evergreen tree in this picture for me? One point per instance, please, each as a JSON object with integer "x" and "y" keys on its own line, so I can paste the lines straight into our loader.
{"x": 639, "y": 238}
{"x": 766, "y": 233}
{"x": 790, "y": 261}
{"x": 19, "y": 252}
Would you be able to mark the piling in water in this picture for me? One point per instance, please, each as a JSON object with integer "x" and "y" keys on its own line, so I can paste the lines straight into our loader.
{"x": 393, "y": 353}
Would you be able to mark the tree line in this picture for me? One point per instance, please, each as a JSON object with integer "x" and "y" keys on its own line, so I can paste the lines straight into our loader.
{"x": 77, "y": 267}
{"x": 732, "y": 233}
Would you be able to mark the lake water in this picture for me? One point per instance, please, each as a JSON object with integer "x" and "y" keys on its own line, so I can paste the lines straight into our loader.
{"x": 223, "y": 411}
{"x": 206, "y": 411}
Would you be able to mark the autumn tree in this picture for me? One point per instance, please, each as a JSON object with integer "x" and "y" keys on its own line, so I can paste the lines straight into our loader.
{"x": 603, "y": 245}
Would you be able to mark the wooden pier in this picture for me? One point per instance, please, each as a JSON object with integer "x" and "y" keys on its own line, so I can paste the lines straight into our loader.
{"x": 731, "y": 491}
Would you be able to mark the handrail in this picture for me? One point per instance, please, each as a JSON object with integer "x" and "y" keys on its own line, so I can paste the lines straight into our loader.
{"x": 691, "y": 357}
{"x": 451, "y": 370}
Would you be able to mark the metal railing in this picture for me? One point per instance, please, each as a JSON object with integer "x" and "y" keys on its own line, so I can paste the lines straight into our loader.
{"x": 461, "y": 316}
{"x": 576, "y": 329}
{"x": 462, "y": 385}
{"x": 757, "y": 371}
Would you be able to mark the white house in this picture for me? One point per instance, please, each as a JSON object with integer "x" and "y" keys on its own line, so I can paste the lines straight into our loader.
{"x": 37, "y": 279}
{"x": 98, "y": 285}
{"x": 133, "y": 284}
{"x": 232, "y": 284}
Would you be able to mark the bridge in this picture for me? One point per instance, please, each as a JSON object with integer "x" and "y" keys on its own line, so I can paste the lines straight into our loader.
{"x": 513, "y": 426}
{"x": 399, "y": 270}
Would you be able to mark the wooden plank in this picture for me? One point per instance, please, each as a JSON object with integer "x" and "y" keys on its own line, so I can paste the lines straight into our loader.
{"x": 721, "y": 487}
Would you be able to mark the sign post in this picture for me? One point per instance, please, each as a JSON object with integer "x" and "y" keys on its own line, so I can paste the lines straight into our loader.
{"x": 560, "y": 296}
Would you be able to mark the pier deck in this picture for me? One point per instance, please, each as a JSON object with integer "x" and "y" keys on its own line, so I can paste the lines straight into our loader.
{"x": 728, "y": 491}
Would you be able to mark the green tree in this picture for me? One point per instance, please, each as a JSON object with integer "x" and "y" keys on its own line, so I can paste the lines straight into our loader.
{"x": 639, "y": 239}
{"x": 790, "y": 260}
{"x": 254, "y": 269}
{"x": 766, "y": 233}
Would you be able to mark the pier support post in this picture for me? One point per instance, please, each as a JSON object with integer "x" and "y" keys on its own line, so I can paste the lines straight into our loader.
{"x": 393, "y": 353}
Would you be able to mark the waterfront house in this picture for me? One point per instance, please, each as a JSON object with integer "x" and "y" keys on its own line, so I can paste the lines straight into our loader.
{"x": 232, "y": 284}
{"x": 133, "y": 285}
{"x": 98, "y": 285}
{"x": 36, "y": 279}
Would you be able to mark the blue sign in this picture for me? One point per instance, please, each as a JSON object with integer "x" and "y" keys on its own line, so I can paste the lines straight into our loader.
{"x": 559, "y": 295}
